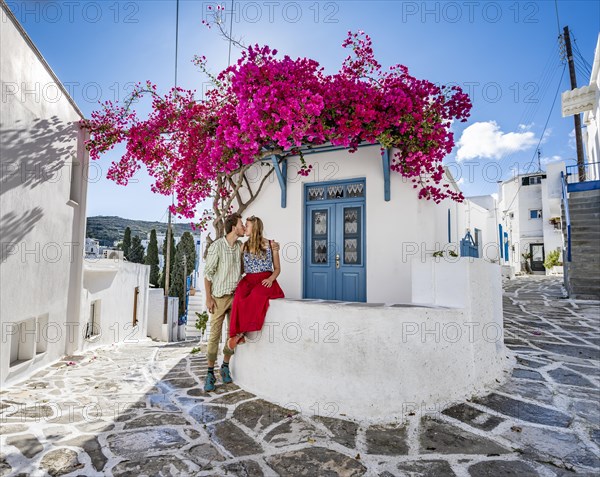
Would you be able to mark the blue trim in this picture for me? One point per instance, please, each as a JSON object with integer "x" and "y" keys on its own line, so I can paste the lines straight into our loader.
{"x": 282, "y": 177}
{"x": 386, "y": 174}
{"x": 506, "y": 246}
{"x": 500, "y": 240}
{"x": 328, "y": 148}
{"x": 581, "y": 186}
{"x": 328, "y": 183}
{"x": 324, "y": 281}
{"x": 565, "y": 200}
{"x": 449, "y": 229}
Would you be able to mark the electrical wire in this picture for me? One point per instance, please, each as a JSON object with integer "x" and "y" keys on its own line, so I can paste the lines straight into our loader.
{"x": 541, "y": 137}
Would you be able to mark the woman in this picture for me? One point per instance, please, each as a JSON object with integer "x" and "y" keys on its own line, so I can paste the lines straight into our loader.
{"x": 251, "y": 299}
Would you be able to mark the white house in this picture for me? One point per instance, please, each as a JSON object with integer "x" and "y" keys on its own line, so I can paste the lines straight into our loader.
{"x": 341, "y": 239}
{"x": 92, "y": 246}
{"x": 115, "y": 302}
{"x": 529, "y": 217}
{"x": 363, "y": 286}
{"x": 52, "y": 301}
{"x": 586, "y": 100}
{"x": 43, "y": 207}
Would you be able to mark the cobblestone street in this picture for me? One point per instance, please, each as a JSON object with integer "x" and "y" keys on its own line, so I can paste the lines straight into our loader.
{"x": 139, "y": 409}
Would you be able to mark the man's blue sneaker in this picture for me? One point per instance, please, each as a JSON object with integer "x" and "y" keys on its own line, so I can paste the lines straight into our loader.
{"x": 225, "y": 375}
{"x": 209, "y": 382}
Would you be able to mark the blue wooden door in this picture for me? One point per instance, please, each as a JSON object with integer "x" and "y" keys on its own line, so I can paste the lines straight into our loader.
{"x": 335, "y": 265}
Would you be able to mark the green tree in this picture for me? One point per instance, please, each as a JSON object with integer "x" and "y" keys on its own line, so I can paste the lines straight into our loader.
{"x": 127, "y": 243}
{"x": 189, "y": 247}
{"x": 136, "y": 253}
{"x": 152, "y": 259}
{"x": 164, "y": 252}
{"x": 177, "y": 281}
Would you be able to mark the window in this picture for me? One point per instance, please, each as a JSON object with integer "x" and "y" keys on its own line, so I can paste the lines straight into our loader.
{"x": 535, "y": 213}
{"x": 92, "y": 329}
{"x": 532, "y": 180}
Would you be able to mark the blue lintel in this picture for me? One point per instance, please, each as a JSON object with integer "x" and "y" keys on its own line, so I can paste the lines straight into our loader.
{"x": 386, "y": 174}
{"x": 281, "y": 171}
{"x": 581, "y": 186}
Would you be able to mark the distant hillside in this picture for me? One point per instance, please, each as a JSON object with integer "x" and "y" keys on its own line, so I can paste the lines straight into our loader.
{"x": 107, "y": 229}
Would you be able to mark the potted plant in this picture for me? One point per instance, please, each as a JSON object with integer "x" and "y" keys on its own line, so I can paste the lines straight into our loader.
{"x": 556, "y": 222}
{"x": 552, "y": 264}
{"x": 201, "y": 323}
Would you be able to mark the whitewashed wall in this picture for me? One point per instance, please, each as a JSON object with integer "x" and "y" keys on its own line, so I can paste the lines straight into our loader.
{"x": 382, "y": 362}
{"x": 397, "y": 231}
{"x": 42, "y": 218}
{"x": 111, "y": 285}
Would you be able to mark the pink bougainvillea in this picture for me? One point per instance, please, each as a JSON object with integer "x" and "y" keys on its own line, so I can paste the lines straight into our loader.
{"x": 267, "y": 105}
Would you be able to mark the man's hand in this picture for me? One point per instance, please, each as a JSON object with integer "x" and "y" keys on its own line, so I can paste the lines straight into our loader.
{"x": 275, "y": 246}
{"x": 210, "y": 304}
{"x": 268, "y": 282}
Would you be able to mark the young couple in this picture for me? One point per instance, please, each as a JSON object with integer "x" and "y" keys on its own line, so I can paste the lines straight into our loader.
{"x": 246, "y": 301}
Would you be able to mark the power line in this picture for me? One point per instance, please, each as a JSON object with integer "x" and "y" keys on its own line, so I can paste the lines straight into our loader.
{"x": 557, "y": 19}
{"x": 541, "y": 137}
{"x": 550, "y": 113}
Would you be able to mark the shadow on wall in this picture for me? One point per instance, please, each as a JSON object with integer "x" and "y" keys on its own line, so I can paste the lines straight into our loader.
{"x": 34, "y": 154}
{"x": 15, "y": 228}
{"x": 31, "y": 155}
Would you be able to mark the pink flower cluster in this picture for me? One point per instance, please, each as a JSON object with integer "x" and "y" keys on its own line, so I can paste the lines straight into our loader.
{"x": 265, "y": 103}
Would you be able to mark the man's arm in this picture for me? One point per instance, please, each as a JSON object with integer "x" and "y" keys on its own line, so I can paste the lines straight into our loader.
{"x": 210, "y": 301}
{"x": 210, "y": 268}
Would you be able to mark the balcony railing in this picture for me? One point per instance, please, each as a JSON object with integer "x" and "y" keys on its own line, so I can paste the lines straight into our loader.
{"x": 589, "y": 171}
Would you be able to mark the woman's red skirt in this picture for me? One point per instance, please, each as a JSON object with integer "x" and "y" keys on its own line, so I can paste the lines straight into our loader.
{"x": 250, "y": 303}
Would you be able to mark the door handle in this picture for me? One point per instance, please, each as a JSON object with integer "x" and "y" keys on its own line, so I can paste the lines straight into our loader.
{"x": 337, "y": 260}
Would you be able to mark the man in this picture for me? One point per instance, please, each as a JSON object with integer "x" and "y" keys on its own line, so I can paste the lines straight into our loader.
{"x": 222, "y": 273}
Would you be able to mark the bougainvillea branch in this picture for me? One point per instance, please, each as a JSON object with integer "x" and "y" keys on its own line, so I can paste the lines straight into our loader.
{"x": 265, "y": 106}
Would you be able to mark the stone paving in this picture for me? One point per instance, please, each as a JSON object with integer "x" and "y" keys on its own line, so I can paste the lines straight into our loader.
{"x": 139, "y": 409}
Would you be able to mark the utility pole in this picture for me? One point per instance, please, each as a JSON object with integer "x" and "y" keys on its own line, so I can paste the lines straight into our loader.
{"x": 167, "y": 268}
{"x": 576, "y": 117}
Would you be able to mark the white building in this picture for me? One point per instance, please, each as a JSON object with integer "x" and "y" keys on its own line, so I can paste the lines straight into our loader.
{"x": 529, "y": 217}
{"x": 353, "y": 232}
{"x": 342, "y": 240}
{"x": 43, "y": 207}
{"x": 47, "y": 301}
{"x": 92, "y": 246}
{"x": 115, "y": 302}
{"x": 586, "y": 100}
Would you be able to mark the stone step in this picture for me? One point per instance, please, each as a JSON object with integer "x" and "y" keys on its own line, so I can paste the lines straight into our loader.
{"x": 584, "y": 193}
{"x": 583, "y": 214}
{"x": 583, "y": 294}
{"x": 579, "y": 240}
{"x": 585, "y": 275}
{"x": 583, "y": 203}
{"x": 583, "y": 234}
{"x": 592, "y": 218}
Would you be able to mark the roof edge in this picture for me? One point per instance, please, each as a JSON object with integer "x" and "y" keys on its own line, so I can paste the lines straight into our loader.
{"x": 29, "y": 41}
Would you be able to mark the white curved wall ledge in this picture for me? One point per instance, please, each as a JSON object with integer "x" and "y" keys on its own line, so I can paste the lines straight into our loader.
{"x": 379, "y": 361}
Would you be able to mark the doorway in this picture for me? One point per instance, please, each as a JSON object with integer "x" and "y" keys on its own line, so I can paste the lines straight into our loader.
{"x": 537, "y": 257}
{"x": 334, "y": 258}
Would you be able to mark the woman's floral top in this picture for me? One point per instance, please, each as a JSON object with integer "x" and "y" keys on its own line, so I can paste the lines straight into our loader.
{"x": 256, "y": 263}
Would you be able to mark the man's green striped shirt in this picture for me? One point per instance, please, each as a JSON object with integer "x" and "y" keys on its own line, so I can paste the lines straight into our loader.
{"x": 223, "y": 266}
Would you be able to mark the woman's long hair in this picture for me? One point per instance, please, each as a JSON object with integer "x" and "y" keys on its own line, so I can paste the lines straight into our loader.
{"x": 255, "y": 242}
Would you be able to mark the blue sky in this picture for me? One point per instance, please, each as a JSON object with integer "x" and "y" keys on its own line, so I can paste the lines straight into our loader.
{"x": 505, "y": 54}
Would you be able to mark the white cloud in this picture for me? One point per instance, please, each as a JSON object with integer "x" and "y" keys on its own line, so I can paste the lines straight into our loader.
{"x": 486, "y": 140}
{"x": 572, "y": 140}
{"x": 525, "y": 127}
{"x": 544, "y": 160}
